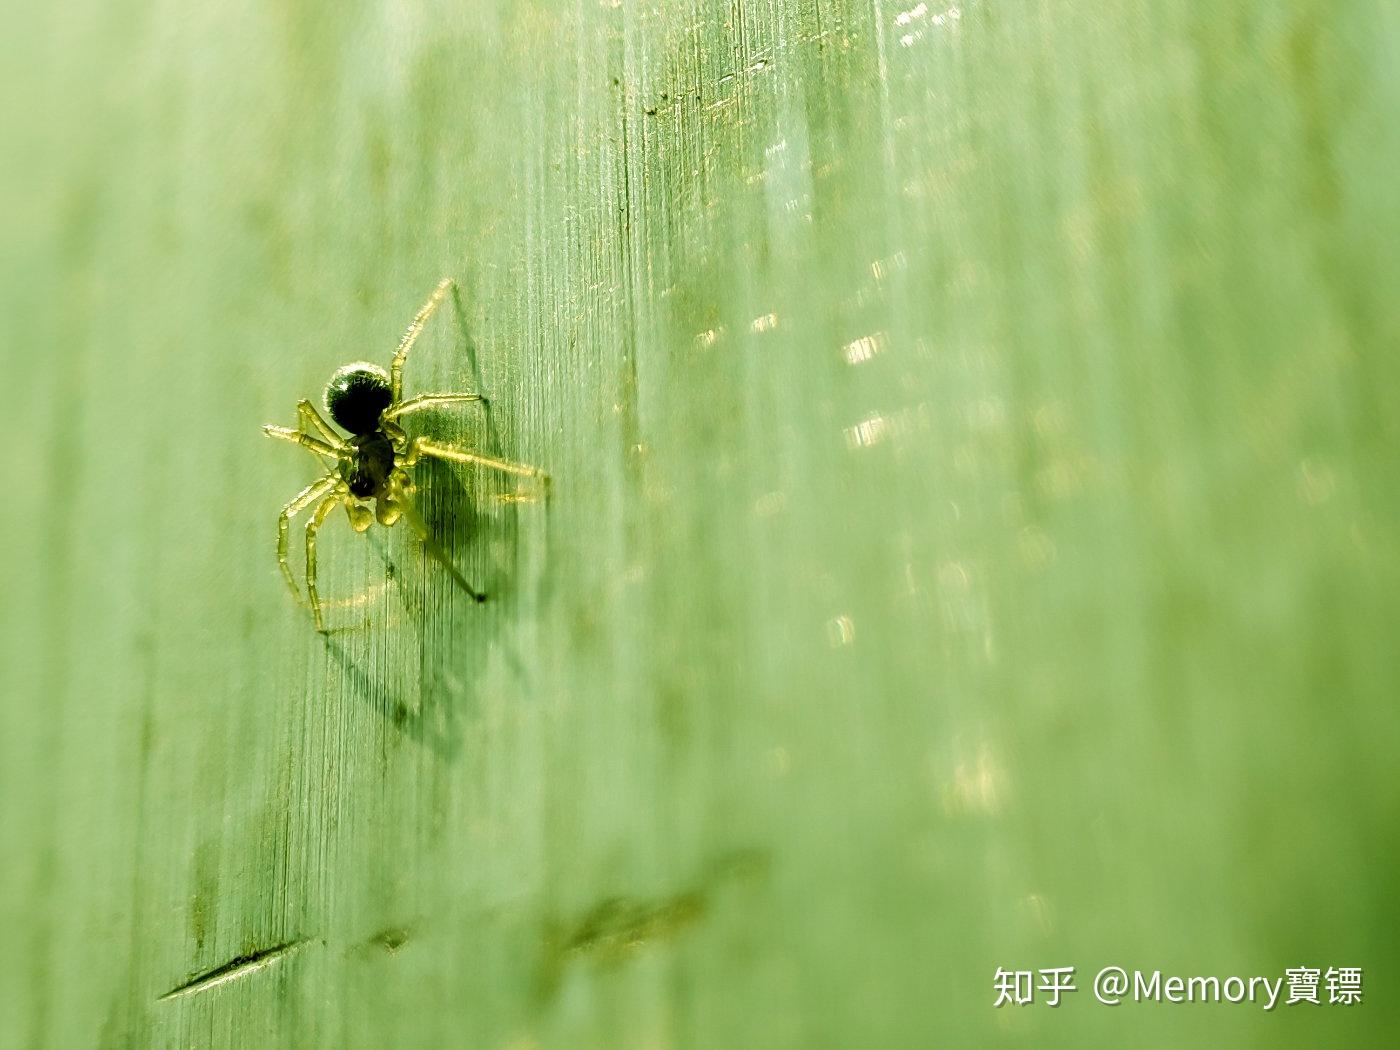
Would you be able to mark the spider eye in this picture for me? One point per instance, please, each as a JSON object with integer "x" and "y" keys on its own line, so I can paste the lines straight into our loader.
{"x": 356, "y": 396}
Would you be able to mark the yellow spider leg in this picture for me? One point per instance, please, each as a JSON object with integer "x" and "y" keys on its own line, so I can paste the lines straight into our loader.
{"x": 305, "y": 441}
{"x": 295, "y": 506}
{"x": 359, "y": 515}
{"x": 389, "y": 506}
{"x": 422, "y": 401}
{"x": 410, "y": 515}
{"x": 317, "y": 517}
{"x": 398, "y": 437}
{"x": 423, "y": 447}
{"x": 306, "y": 413}
{"x": 411, "y": 336}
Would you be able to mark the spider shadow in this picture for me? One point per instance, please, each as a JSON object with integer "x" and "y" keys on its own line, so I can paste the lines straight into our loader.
{"x": 429, "y": 724}
{"x": 477, "y": 531}
{"x": 429, "y": 696}
{"x": 493, "y": 438}
{"x": 477, "y": 528}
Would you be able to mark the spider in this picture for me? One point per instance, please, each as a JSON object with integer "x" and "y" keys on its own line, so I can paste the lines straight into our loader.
{"x": 372, "y": 465}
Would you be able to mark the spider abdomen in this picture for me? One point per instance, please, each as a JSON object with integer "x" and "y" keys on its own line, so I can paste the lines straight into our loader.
{"x": 367, "y": 472}
{"x": 356, "y": 396}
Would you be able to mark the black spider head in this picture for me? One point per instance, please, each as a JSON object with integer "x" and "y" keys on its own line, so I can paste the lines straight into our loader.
{"x": 356, "y": 396}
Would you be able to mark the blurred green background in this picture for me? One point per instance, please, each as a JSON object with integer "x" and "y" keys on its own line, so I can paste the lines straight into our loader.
{"x": 972, "y": 541}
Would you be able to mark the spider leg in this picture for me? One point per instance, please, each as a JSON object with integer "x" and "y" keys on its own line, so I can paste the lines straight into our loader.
{"x": 389, "y": 505}
{"x": 306, "y": 413}
{"x": 410, "y": 337}
{"x": 306, "y": 441}
{"x": 410, "y": 515}
{"x": 359, "y": 515}
{"x": 398, "y": 437}
{"x": 419, "y": 447}
{"x": 318, "y": 516}
{"x": 422, "y": 401}
{"x": 296, "y": 505}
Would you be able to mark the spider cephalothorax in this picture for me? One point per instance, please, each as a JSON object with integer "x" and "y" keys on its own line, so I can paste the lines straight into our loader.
{"x": 372, "y": 465}
{"x": 368, "y": 472}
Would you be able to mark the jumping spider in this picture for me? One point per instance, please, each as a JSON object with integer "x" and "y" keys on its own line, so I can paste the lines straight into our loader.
{"x": 372, "y": 465}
